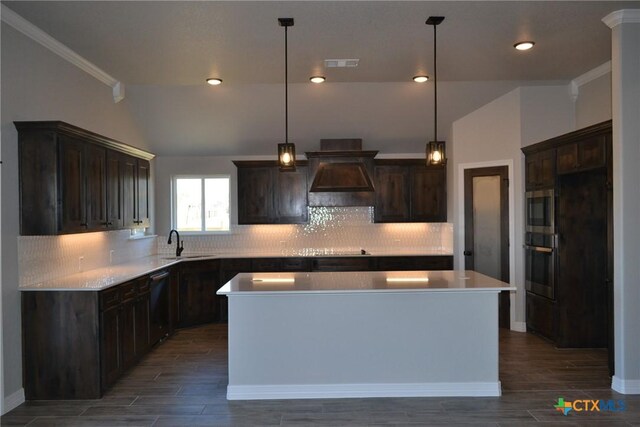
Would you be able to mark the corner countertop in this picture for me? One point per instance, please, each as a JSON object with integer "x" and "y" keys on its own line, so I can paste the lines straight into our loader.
{"x": 361, "y": 281}
{"x": 106, "y": 277}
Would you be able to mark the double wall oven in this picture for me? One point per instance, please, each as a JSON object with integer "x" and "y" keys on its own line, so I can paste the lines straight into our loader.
{"x": 540, "y": 243}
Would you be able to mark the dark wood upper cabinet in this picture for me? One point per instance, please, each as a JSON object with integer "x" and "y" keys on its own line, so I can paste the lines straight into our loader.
{"x": 291, "y": 196}
{"x": 73, "y": 180}
{"x": 393, "y": 189}
{"x": 115, "y": 182}
{"x": 143, "y": 171}
{"x": 268, "y": 196}
{"x": 540, "y": 169}
{"x": 588, "y": 154}
{"x": 409, "y": 191}
{"x": 428, "y": 194}
{"x": 96, "y": 187}
{"x": 71, "y": 186}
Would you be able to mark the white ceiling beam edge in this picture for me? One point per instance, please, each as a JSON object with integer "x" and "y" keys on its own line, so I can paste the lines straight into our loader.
{"x": 36, "y": 34}
{"x": 623, "y": 16}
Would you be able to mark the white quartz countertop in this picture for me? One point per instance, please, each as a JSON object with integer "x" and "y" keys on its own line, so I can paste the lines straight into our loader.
{"x": 106, "y": 277}
{"x": 369, "y": 281}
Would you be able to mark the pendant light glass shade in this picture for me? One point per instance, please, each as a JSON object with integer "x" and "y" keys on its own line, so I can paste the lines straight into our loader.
{"x": 287, "y": 157}
{"x": 435, "y": 152}
{"x": 286, "y": 151}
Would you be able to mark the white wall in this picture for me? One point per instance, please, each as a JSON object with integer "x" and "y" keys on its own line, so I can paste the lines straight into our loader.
{"x": 494, "y": 134}
{"x": 38, "y": 85}
{"x": 594, "y": 102}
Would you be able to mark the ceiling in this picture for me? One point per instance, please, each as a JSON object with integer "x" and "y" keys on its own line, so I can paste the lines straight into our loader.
{"x": 184, "y": 42}
{"x": 163, "y": 51}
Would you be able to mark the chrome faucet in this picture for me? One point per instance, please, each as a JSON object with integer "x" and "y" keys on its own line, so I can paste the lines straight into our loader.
{"x": 179, "y": 243}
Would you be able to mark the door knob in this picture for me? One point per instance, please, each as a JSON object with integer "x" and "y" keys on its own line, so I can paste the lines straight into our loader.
{"x": 467, "y": 253}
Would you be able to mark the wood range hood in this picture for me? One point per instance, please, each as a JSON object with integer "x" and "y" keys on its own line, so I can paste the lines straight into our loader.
{"x": 340, "y": 174}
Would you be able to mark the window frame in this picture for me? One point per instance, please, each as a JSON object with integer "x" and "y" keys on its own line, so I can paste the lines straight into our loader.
{"x": 174, "y": 201}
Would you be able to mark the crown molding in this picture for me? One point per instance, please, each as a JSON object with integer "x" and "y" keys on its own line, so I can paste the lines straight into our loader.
{"x": 587, "y": 77}
{"x": 623, "y": 16}
{"x": 36, "y": 34}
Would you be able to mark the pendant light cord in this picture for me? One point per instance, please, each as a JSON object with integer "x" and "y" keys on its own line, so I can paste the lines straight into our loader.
{"x": 286, "y": 89}
{"x": 435, "y": 87}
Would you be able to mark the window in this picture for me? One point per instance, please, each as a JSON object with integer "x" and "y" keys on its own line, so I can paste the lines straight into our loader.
{"x": 201, "y": 203}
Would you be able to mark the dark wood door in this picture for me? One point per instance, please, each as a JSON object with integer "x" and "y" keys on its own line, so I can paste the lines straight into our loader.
{"x": 110, "y": 349}
{"x": 71, "y": 186}
{"x": 540, "y": 169}
{"x": 141, "y": 309}
{"x": 392, "y": 193}
{"x": 256, "y": 195}
{"x": 115, "y": 215}
{"x": 291, "y": 195}
{"x": 143, "y": 179}
{"x": 96, "y": 185}
{"x": 582, "y": 291}
{"x": 428, "y": 194}
{"x": 128, "y": 335}
{"x": 496, "y": 213}
{"x": 199, "y": 281}
{"x": 129, "y": 191}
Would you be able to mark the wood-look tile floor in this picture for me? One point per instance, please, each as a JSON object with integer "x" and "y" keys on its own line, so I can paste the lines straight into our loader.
{"x": 182, "y": 383}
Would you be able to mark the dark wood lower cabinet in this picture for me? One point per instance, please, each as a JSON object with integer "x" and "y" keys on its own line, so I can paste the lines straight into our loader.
{"x": 77, "y": 344}
{"x": 198, "y": 302}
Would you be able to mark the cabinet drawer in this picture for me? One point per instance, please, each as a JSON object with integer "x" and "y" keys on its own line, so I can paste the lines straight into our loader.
{"x": 110, "y": 298}
{"x": 128, "y": 291}
{"x": 435, "y": 263}
{"x": 342, "y": 264}
{"x": 143, "y": 285}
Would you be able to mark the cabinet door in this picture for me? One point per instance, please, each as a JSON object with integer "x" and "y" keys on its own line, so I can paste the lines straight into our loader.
{"x": 143, "y": 178}
{"x": 129, "y": 191}
{"x": 71, "y": 186}
{"x": 392, "y": 194}
{"x": 96, "y": 185}
{"x": 540, "y": 169}
{"x": 255, "y": 195}
{"x": 115, "y": 217}
{"x": 128, "y": 336}
{"x": 110, "y": 350}
{"x": 428, "y": 194}
{"x": 587, "y": 154}
{"x": 197, "y": 292}
{"x": 291, "y": 196}
{"x": 142, "y": 324}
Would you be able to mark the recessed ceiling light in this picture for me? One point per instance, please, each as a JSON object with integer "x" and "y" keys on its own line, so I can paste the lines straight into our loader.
{"x": 420, "y": 79}
{"x": 317, "y": 79}
{"x": 214, "y": 81}
{"x": 524, "y": 45}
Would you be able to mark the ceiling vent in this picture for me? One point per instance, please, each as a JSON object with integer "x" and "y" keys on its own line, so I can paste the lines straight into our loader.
{"x": 341, "y": 63}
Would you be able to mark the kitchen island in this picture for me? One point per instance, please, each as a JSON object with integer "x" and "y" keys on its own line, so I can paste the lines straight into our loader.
{"x": 363, "y": 334}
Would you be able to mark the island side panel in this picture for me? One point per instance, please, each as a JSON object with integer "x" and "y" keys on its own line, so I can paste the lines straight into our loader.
{"x": 301, "y": 345}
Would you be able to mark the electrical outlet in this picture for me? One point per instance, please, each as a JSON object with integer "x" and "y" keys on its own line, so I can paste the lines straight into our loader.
{"x": 111, "y": 252}
{"x": 80, "y": 259}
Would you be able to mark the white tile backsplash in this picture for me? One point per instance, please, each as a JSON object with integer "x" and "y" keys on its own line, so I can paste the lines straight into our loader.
{"x": 329, "y": 231}
{"x": 42, "y": 258}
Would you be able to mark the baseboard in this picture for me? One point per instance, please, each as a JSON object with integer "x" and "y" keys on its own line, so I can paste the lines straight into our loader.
{"x": 323, "y": 391}
{"x": 519, "y": 326}
{"x": 13, "y": 400}
{"x": 625, "y": 386}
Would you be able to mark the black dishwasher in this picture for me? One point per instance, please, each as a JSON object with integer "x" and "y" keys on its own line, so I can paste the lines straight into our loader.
{"x": 159, "y": 307}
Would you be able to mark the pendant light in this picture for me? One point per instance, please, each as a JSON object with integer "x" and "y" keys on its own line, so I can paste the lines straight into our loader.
{"x": 286, "y": 151}
{"x": 435, "y": 149}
